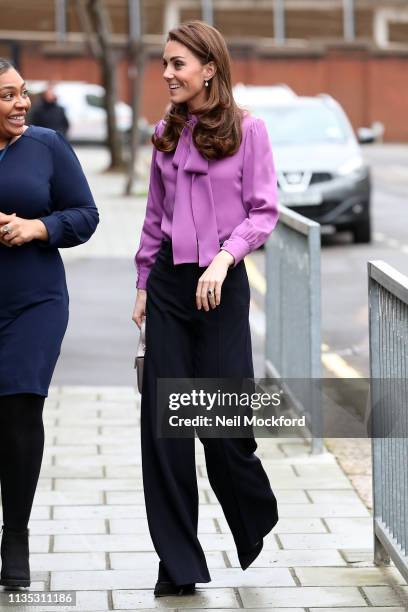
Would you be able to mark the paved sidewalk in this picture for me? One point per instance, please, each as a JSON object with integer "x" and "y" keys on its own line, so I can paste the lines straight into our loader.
{"x": 89, "y": 531}
{"x": 121, "y": 217}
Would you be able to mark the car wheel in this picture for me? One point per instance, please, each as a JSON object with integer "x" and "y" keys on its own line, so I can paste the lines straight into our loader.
{"x": 362, "y": 231}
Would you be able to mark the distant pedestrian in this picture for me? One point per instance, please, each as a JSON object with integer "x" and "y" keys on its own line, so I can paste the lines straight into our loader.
{"x": 212, "y": 200}
{"x": 45, "y": 203}
{"x": 46, "y": 112}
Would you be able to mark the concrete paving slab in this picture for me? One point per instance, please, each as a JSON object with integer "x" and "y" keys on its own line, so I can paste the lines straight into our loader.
{"x": 103, "y": 511}
{"x": 140, "y": 560}
{"x": 387, "y": 596}
{"x": 146, "y": 578}
{"x": 203, "y": 599}
{"x": 304, "y": 596}
{"x": 292, "y": 558}
{"x": 348, "y": 576}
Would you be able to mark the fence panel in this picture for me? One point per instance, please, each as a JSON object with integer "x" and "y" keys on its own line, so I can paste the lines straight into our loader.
{"x": 388, "y": 323}
{"x": 293, "y": 326}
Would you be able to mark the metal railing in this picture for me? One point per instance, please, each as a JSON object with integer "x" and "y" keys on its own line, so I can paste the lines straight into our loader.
{"x": 292, "y": 308}
{"x": 388, "y": 325}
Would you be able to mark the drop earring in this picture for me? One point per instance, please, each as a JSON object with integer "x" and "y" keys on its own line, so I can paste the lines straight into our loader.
{"x": 206, "y": 83}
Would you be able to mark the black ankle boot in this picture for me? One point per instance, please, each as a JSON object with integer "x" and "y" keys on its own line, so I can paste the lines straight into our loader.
{"x": 15, "y": 568}
{"x": 164, "y": 585}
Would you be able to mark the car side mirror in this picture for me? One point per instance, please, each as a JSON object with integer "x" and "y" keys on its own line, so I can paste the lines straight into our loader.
{"x": 371, "y": 134}
{"x": 365, "y": 135}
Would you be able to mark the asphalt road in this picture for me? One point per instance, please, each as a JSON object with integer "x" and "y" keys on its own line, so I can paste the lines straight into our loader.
{"x": 344, "y": 303}
{"x": 100, "y": 343}
{"x": 344, "y": 265}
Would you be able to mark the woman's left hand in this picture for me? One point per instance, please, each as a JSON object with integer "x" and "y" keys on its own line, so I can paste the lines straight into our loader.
{"x": 212, "y": 278}
{"x": 15, "y": 231}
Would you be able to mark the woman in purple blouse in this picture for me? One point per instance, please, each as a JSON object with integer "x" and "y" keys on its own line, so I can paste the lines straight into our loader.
{"x": 212, "y": 200}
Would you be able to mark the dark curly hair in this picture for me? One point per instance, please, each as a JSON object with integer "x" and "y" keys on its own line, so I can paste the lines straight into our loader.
{"x": 5, "y": 65}
{"x": 218, "y": 132}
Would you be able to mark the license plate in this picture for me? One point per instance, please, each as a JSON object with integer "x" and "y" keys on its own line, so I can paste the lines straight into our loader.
{"x": 300, "y": 199}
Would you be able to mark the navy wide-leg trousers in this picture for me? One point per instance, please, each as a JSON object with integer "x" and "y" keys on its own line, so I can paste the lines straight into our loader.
{"x": 183, "y": 342}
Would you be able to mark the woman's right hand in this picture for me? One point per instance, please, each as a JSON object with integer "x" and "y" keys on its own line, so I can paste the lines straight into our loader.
{"x": 139, "y": 311}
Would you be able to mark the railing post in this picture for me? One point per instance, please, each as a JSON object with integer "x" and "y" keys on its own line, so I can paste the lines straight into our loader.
{"x": 381, "y": 556}
{"x": 60, "y": 8}
{"x": 207, "y": 11}
{"x": 279, "y": 21}
{"x": 349, "y": 20}
{"x": 315, "y": 338}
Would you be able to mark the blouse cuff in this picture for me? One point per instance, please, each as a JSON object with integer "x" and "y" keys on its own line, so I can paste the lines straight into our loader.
{"x": 238, "y": 247}
{"x": 55, "y": 229}
{"x": 142, "y": 278}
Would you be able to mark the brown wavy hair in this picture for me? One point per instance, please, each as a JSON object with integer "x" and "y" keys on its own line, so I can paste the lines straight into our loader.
{"x": 217, "y": 133}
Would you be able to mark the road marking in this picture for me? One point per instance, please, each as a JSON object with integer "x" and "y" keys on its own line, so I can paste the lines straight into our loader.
{"x": 255, "y": 277}
{"x": 391, "y": 242}
{"x": 339, "y": 366}
{"x": 333, "y": 362}
{"x": 257, "y": 319}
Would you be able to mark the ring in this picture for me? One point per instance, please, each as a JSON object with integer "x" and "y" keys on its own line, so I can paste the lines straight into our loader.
{"x": 210, "y": 292}
{"x": 6, "y": 229}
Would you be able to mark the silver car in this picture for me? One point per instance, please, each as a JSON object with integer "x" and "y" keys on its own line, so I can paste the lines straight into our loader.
{"x": 320, "y": 168}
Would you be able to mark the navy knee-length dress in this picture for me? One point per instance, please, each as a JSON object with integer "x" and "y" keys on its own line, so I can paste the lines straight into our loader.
{"x": 40, "y": 178}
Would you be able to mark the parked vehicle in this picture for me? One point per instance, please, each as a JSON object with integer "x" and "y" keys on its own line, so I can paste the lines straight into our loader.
{"x": 84, "y": 107}
{"x": 320, "y": 168}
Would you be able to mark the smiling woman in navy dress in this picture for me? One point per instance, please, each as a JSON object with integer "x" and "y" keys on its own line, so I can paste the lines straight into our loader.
{"x": 45, "y": 203}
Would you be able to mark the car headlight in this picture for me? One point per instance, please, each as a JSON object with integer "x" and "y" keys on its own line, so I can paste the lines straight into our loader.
{"x": 354, "y": 166}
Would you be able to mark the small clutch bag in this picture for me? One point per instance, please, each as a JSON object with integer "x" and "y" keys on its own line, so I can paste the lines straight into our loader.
{"x": 140, "y": 353}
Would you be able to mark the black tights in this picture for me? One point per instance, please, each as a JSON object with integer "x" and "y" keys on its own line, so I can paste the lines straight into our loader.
{"x": 21, "y": 452}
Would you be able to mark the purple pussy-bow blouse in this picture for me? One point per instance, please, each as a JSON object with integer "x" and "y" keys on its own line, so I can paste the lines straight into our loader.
{"x": 199, "y": 204}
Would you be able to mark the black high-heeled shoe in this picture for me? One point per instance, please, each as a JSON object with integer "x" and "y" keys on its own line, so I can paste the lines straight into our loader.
{"x": 164, "y": 586}
{"x": 162, "y": 589}
{"x": 15, "y": 566}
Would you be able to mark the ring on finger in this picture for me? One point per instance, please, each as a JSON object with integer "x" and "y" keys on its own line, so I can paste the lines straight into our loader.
{"x": 6, "y": 229}
{"x": 210, "y": 293}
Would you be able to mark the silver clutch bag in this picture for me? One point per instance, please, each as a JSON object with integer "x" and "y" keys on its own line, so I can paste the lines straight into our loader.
{"x": 140, "y": 353}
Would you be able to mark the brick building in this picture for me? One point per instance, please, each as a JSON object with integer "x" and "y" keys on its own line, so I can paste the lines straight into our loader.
{"x": 356, "y": 50}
